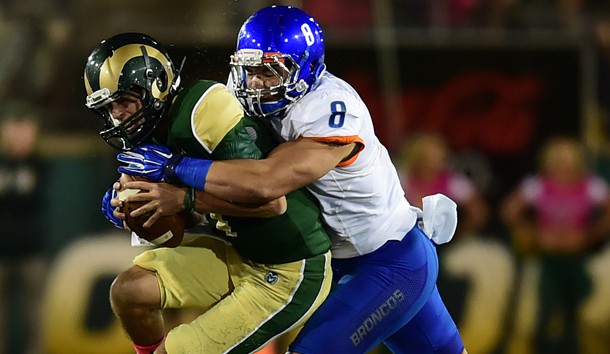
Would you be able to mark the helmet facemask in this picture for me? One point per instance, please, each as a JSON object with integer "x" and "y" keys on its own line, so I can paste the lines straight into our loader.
{"x": 135, "y": 129}
{"x": 270, "y": 101}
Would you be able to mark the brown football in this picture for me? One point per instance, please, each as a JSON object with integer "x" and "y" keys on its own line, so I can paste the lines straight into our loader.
{"x": 168, "y": 231}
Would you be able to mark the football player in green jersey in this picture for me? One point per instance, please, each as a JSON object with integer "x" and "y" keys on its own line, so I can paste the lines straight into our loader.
{"x": 265, "y": 268}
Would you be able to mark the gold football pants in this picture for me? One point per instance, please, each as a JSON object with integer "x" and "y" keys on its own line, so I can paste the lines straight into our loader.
{"x": 248, "y": 304}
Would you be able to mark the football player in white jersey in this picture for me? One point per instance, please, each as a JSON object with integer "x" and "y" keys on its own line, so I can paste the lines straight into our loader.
{"x": 385, "y": 266}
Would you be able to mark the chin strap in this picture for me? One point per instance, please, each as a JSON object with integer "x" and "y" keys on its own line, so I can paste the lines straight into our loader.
{"x": 149, "y": 71}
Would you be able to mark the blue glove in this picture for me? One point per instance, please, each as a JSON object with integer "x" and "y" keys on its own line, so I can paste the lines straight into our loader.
{"x": 150, "y": 161}
{"x": 158, "y": 163}
{"x": 108, "y": 209}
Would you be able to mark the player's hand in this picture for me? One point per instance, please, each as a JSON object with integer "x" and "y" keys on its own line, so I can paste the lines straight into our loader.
{"x": 108, "y": 209}
{"x": 161, "y": 199}
{"x": 155, "y": 162}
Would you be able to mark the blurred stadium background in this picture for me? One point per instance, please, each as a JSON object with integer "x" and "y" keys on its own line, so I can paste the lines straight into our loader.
{"x": 494, "y": 77}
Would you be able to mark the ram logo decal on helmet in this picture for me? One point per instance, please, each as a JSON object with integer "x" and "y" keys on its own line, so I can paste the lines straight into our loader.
{"x": 119, "y": 70}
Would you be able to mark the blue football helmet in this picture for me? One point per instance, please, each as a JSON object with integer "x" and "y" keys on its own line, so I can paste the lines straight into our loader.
{"x": 287, "y": 42}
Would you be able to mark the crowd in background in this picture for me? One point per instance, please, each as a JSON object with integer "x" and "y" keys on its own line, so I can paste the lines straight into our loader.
{"x": 45, "y": 41}
{"x": 555, "y": 212}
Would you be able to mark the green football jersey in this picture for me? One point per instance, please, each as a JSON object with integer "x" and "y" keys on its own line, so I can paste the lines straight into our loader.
{"x": 207, "y": 121}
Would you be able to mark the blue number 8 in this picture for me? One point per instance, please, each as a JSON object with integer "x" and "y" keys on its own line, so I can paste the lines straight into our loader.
{"x": 337, "y": 117}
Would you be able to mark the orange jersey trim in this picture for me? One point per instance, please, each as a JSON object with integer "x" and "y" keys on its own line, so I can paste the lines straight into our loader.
{"x": 342, "y": 140}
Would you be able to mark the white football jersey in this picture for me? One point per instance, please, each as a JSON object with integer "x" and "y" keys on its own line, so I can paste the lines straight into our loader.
{"x": 362, "y": 199}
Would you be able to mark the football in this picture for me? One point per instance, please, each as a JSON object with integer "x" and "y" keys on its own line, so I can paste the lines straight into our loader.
{"x": 168, "y": 231}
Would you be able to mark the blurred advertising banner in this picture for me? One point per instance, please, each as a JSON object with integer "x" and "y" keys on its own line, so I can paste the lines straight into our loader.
{"x": 492, "y": 296}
